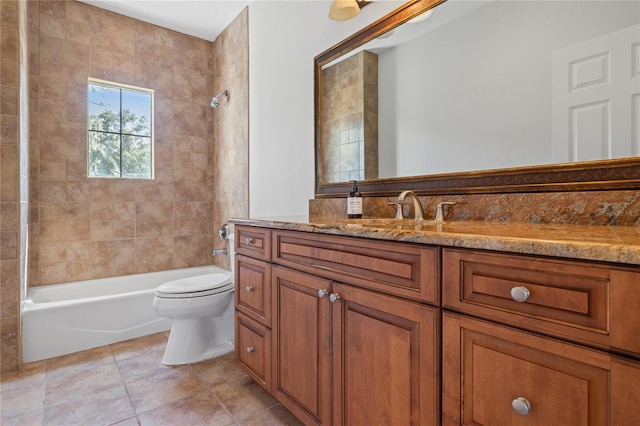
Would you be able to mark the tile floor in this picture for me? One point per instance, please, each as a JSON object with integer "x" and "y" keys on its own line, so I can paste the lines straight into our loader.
{"x": 125, "y": 384}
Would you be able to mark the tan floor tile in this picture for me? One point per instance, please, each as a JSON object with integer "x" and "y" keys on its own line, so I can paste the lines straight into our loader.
{"x": 22, "y": 392}
{"x": 81, "y": 360}
{"x": 243, "y": 400}
{"x": 26, "y": 420}
{"x": 140, "y": 346}
{"x": 167, "y": 387}
{"x": 200, "y": 409}
{"x": 141, "y": 366}
{"x": 216, "y": 371}
{"x": 105, "y": 406}
{"x": 133, "y": 421}
{"x": 274, "y": 416}
{"x": 64, "y": 384}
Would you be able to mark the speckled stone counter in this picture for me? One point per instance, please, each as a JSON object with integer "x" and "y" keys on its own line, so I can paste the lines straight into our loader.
{"x": 618, "y": 244}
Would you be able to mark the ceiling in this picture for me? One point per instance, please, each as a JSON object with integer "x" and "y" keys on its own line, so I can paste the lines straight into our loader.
{"x": 204, "y": 19}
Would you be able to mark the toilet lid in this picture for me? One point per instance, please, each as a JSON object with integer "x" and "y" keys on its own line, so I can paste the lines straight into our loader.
{"x": 201, "y": 285}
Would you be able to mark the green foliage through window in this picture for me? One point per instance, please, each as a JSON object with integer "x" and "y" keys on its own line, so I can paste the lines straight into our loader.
{"x": 120, "y": 131}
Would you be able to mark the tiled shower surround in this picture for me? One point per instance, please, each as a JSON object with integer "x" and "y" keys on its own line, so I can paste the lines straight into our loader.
{"x": 89, "y": 228}
{"x": 83, "y": 228}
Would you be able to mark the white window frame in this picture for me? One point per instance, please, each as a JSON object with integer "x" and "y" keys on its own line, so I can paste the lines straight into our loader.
{"x": 130, "y": 88}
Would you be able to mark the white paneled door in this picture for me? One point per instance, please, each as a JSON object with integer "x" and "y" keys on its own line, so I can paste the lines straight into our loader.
{"x": 596, "y": 98}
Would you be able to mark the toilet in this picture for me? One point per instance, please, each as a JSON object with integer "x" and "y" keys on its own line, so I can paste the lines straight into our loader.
{"x": 201, "y": 309}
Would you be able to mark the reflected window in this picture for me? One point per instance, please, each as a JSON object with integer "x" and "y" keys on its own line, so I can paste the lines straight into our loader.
{"x": 120, "y": 131}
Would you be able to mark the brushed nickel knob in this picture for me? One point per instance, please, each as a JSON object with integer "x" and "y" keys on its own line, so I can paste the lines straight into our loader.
{"x": 322, "y": 293}
{"x": 250, "y": 241}
{"x": 249, "y": 288}
{"x": 521, "y": 406}
{"x": 334, "y": 297}
{"x": 520, "y": 294}
{"x": 250, "y": 349}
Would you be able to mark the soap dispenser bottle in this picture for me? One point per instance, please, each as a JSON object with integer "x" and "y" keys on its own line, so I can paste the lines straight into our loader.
{"x": 354, "y": 203}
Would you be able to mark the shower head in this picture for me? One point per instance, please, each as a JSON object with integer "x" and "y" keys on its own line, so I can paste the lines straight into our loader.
{"x": 215, "y": 101}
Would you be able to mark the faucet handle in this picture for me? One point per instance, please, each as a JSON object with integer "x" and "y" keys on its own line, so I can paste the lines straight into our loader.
{"x": 440, "y": 210}
{"x": 399, "y": 209}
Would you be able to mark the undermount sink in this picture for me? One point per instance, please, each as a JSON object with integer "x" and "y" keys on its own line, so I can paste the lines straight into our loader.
{"x": 392, "y": 223}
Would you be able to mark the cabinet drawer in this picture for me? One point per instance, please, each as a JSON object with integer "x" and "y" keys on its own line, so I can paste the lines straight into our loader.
{"x": 406, "y": 270}
{"x": 253, "y": 288}
{"x": 575, "y": 300}
{"x": 253, "y": 242}
{"x": 253, "y": 349}
{"x": 489, "y": 367}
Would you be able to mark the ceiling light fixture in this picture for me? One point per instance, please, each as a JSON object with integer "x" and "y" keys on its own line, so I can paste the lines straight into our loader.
{"x": 343, "y": 10}
{"x": 422, "y": 17}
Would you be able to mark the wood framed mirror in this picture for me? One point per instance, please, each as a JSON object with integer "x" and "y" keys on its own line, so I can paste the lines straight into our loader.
{"x": 618, "y": 170}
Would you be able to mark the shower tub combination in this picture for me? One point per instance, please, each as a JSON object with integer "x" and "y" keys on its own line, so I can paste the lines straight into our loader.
{"x": 64, "y": 318}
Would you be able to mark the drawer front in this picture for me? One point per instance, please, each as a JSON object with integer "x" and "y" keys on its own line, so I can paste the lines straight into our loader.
{"x": 254, "y": 242}
{"x": 585, "y": 302}
{"x": 253, "y": 288}
{"x": 406, "y": 270}
{"x": 253, "y": 349}
{"x": 491, "y": 371}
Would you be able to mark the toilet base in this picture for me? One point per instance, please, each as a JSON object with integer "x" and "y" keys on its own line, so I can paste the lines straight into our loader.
{"x": 197, "y": 339}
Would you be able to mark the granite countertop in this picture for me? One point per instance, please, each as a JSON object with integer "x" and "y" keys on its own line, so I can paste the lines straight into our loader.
{"x": 618, "y": 244}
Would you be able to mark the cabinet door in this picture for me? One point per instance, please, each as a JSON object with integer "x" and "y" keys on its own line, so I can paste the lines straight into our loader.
{"x": 490, "y": 370}
{"x": 386, "y": 362}
{"x": 253, "y": 349}
{"x": 301, "y": 326}
{"x": 253, "y": 288}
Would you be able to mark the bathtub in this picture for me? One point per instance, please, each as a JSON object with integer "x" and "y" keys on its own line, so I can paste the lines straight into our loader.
{"x": 64, "y": 318}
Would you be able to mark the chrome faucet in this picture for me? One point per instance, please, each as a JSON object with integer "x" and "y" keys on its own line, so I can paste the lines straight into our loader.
{"x": 418, "y": 212}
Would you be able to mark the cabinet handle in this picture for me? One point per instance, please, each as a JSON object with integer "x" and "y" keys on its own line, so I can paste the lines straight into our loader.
{"x": 322, "y": 293}
{"x": 521, "y": 406}
{"x": 520, "y": 294}
{"x": 250, "y": 241}
{"x": 334, "y": 297}
{"x": 249, "y": 288}
{"x": 250, "y": 349}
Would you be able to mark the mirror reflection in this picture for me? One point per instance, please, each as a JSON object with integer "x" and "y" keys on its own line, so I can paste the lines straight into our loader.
{"x": 485, "y": 85}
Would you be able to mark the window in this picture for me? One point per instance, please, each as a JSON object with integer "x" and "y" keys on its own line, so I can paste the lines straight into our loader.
{"x": 120, "y": 137}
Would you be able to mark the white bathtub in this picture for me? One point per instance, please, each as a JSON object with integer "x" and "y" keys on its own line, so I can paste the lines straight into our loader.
{"x": 61, "y": 319}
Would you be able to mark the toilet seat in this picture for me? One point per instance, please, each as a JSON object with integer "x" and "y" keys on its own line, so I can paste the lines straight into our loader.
{"x": 196, "y": 286}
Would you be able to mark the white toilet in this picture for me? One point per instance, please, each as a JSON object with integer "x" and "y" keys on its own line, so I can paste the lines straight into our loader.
{"x": 201, "y": 309}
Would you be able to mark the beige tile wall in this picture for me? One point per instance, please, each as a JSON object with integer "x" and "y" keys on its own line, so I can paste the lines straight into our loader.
{"x": 229, "y": 156}
{"x": 11, "y": 143}
{"x": 81, "y": 228}
{"x": 89, "y": 228}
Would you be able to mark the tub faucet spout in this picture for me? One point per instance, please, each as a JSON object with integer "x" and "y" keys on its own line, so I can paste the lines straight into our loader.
{"x": 418, "y": 212}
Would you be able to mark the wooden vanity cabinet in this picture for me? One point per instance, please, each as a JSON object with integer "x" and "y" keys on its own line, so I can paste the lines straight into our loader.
{"x": 563, "y": 352}
{"x": 351, "y": 343}
{"x": 353, "y": 326}
{"x": 253, "y": 303}
{"x": 344, "y": 355}
{"x": 490, "y": 371}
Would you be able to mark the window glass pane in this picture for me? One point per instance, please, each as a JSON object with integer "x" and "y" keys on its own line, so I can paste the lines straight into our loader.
{"x": 136, "y": 111}
{"x": 136, "y": 157}
{"x": 104, "y": 108}
{"x": 104, "y": 154}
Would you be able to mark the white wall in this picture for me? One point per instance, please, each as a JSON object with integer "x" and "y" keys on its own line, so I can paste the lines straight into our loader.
{"x": 284, "y": 37}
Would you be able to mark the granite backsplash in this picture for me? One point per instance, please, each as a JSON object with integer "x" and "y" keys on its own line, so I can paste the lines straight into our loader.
{"x": 613, "y": 208}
